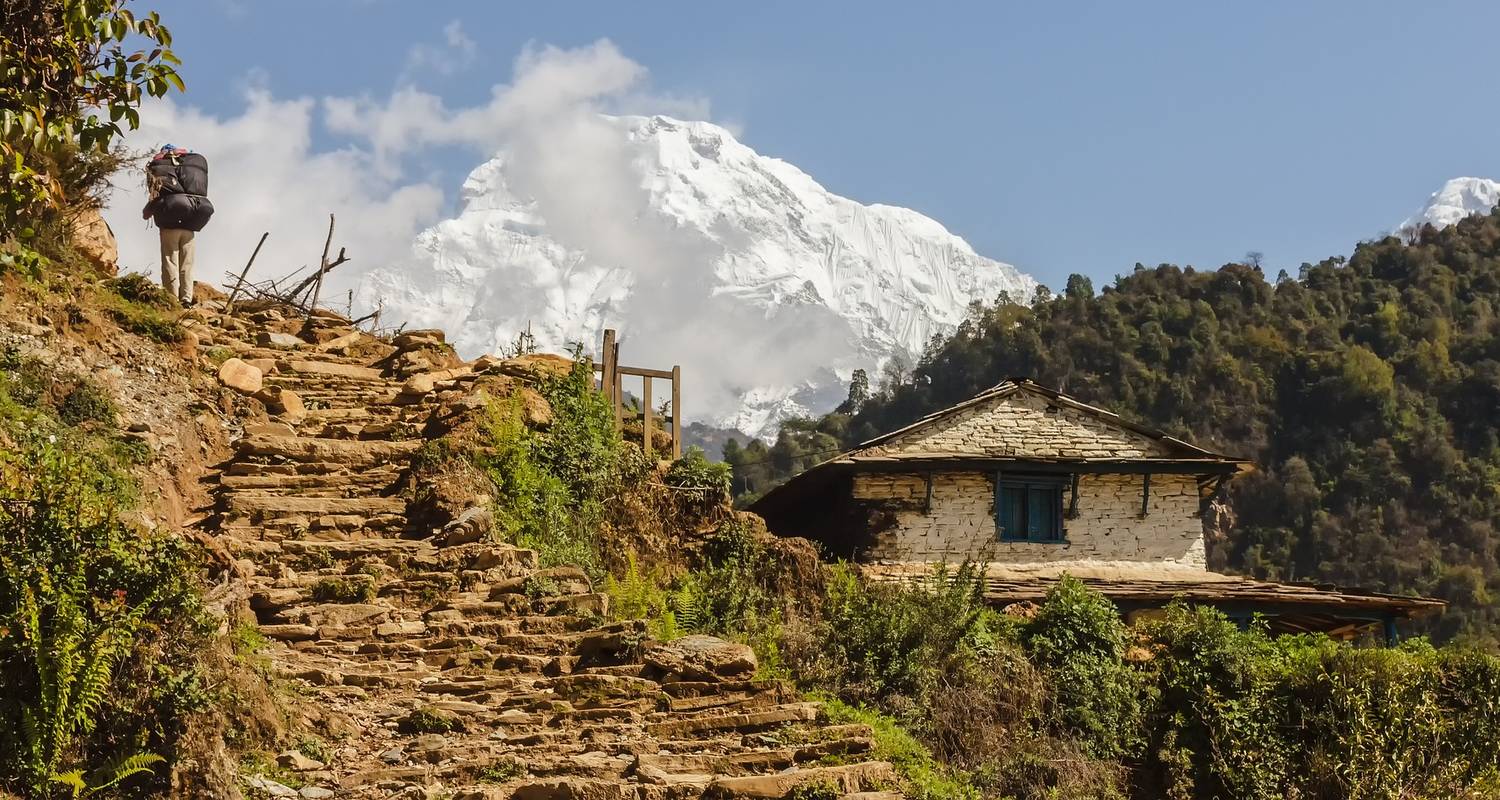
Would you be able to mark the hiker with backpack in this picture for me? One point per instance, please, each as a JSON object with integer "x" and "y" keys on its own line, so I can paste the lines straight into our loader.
{"x": 177, "y": 179}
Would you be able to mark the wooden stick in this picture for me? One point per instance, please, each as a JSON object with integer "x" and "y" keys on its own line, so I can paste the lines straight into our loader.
{"x": 292, "y": 296}
{"x": 323, "y": 266}
{"x": 619, "y": 390}
{"x": 229, "y": 304}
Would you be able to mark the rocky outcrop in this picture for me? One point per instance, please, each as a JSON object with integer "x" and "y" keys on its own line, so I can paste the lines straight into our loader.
{"x": 95, "y": 241}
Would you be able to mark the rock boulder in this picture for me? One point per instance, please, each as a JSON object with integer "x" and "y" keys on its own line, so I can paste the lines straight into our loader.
{"x": 240, "y": 376}
{"x": 700, "y": 658}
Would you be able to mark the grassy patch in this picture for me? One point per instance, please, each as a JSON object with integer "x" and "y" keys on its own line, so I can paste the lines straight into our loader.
{"x": 429, "y": 720}
{"x": 344, "y": 590}
{"x": 136, "y": 304}
{"x": 928, "y": 778}
{"x": 502, "y": 771}
{"x": 87, "y": 402}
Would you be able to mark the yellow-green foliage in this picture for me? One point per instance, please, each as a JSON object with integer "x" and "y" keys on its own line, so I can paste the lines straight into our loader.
{"x": 1214, "y": 712}
{"x": 136, "y": 304}
{"x": 726, "y": 596}
{"x": 551, "y": 485}
{"x": 638, "y": 595}
{"x": 344, "y": 590}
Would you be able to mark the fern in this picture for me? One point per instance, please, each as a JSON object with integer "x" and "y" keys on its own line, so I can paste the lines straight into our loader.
{"x": 73, "y": 779}
{"x": 113, "y": 772}
{"x": 107, "y": 775}
{"x": 74, "y": 662}
{"x": 689, "y": 603}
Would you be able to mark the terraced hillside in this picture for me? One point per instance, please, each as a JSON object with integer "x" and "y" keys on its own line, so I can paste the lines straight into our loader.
{"x": 441, "y": 663}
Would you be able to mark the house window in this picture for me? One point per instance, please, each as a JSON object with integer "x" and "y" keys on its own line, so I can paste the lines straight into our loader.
{"x": 1029, "y": 509}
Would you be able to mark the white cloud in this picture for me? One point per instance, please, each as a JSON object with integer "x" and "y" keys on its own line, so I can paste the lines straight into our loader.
{"x": 283, "y": 164}
{"x": 266, "y": 175}
{"x": 456, "y": 54}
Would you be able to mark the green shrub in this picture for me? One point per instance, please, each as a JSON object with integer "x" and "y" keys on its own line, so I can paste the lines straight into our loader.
{"x": 137, "y": 288}
{"x": 641, "y": 595}
{"x": 695, "y": 473}
{"x": 429, "y": 720}
{"x": 885, "y": 645}
{"x": 26, "y": 381}
{"x": 1078, "y": 640}
{"x": 99, "y": 623}
{"x": 23, "y": 261}
{"x": 502, "y": 770}
{"x": 551, "y": 486}
{"x": 152, "y": 325}
{"x": 1218, "y": 716}
{"x": 87, "y": 402}
{"x": 138, "y": 305}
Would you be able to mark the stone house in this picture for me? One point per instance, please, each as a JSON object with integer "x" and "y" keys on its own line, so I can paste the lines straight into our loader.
{"x": 1032, "y": 484}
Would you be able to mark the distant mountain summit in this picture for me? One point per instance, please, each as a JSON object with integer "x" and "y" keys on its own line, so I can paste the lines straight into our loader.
{"x": 1458, "y": 198}
{"x": 768, "y": 289}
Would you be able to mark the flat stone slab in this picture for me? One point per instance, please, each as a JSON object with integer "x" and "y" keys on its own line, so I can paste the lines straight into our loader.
{"x": 299, "y": 367}
{"x": 263, "y": 503}
{"x": 343, "y": 451}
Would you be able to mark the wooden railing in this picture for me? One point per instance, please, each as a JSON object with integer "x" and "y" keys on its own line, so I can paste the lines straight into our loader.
{"x": 611, "y": 383}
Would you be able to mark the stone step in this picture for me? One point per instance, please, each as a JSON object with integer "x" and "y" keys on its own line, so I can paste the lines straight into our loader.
{"x": 752, "y": 762}
{"x": 747, "y": 722}
{"x": 845, "y": 779}
{"x": 329, "y": 368}
{"x": 337, "y": 451}
{"x": 262, "y": 506}
{"x": 324, "y": 527}
{"x": 366, "y": 482}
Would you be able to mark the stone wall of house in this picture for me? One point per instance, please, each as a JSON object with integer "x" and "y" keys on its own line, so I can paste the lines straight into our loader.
{"x": 1025, "y": 425}
{"x": 960, "y": 522}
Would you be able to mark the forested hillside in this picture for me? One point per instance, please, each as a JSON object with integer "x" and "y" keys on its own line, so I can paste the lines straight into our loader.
{"x": 1366, "y": 389}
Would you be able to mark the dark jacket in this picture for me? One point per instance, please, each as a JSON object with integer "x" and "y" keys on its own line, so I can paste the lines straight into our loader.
{"x": 180, "y": 184}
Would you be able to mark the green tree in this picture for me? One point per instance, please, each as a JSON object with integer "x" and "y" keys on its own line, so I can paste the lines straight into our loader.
{"x": 71, "y": 73}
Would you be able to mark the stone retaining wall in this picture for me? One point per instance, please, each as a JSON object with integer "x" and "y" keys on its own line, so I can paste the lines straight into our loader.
{"x": 960, "y": 524}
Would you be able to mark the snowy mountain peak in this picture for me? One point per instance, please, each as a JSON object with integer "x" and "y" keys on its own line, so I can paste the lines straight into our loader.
{"x": 1458, "y": 198}
{"x": 767, "y": 288}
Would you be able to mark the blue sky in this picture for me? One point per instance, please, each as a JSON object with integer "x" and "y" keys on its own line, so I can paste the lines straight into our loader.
{"x": 1061, "y": 137}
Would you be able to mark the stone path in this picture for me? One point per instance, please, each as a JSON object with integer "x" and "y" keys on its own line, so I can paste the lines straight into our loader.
{"x": 465, "y": 671}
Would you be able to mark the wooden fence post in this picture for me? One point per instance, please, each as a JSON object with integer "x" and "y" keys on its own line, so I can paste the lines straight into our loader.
{"x": 646, "y": 414}
{"x": 619, "y": 389}
{"x": 606, "y": 373}
{"x": 676, "y": 412}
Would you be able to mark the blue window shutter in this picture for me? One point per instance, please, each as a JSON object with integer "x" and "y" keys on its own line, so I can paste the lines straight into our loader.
{"x": 999, "y": 508}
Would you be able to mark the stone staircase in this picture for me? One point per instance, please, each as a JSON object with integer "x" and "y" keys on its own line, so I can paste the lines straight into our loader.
{"x": 467, "y": 671}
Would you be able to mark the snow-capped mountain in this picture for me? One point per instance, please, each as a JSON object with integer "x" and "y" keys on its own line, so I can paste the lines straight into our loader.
{"x": 767, "y": 288}
{"x": 1458, "y": 198}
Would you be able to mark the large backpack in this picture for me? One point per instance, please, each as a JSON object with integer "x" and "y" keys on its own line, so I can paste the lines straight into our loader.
{"x": 182, "y": 191}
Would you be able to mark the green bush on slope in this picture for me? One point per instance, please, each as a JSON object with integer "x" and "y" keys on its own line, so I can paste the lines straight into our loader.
{"x": 99, "y": 622}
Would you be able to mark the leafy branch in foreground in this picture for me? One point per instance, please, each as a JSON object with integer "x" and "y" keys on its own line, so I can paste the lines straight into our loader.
{"x": 69, "y": 78}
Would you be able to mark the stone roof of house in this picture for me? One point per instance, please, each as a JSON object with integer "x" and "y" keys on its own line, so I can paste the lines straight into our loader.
{"x": 1076, "y": 429}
